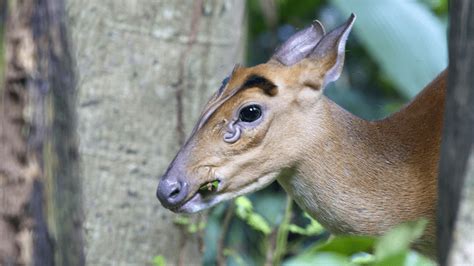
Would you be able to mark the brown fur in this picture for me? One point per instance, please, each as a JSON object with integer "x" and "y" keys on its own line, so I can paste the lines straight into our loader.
{"x": 354, "y": 176}
{"x": 364, "y": 177}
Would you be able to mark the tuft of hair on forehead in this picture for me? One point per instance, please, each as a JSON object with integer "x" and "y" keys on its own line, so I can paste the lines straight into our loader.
{"x": 261, "y": 82}
{"x": 225, "y": 81}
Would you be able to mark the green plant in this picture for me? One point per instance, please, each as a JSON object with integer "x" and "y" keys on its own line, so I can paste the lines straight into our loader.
{"x": 393, "y": 248}
{"x": 244, "y": 210}
{"x": 404, "y": 37}
{"x": 159, "y": 261}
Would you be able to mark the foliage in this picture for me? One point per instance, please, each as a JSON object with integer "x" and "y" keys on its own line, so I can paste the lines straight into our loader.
{"x": 190, "y": 226}
{"x": 313, "y": 228}
{"x": 396, "y": 242}
{"x": 390, "y": 249}
{"x": 159, "y": 261}
{"x": 245, "y": 212}
{"x": 406, "y": 40}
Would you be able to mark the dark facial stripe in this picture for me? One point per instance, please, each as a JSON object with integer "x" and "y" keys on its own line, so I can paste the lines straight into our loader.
{"x": 261, "y": 82}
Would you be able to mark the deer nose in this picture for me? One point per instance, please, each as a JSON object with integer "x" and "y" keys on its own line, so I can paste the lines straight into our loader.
{"x": 171, "y": 193}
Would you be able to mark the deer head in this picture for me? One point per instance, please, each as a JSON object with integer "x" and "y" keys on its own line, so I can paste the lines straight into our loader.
{"x": 255, "y": 126}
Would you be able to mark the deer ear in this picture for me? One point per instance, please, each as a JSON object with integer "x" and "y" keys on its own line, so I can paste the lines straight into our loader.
{"x": 300, "y": 45}
{"x": 329, "y": 53}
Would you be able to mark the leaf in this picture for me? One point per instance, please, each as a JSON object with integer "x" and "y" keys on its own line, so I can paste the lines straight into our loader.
{"x": 396, "y": 259}
{"x": 257, "y": 222}
{"x": 405, "y": 258}
{"x": 314, "y": 228}
{"x": 232, "y": 253}
{"x": 415, "y": 259}
{"x": 209, "y": 186}
{"x": 397, "y": 241}
{"x": 390, "y": 249}
{"x": 295, "y": 229}
{"x": 159, "y": 261}
{"x": 244, "y": 210}
{"x": 347, "y": 245}
{"x": 342, "y": 247}
{"x": 403, "y": 37}
{"x": 322, "y": 258}
{"x": 191, "y": 226}
{"x": 362, "y": 258}
{"x": 181, "y": 220}
{"x": 243, "y": 203}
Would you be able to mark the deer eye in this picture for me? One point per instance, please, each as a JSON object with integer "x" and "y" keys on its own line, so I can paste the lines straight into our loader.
{"x": 250, "y": 113}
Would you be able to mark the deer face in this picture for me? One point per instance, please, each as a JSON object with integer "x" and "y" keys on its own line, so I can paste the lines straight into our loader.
{"x": 251, "y": 130}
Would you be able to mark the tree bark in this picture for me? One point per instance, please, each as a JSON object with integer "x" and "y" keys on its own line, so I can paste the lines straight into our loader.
{"x": 40, "y": 207}
{"x": 146, "y": 69}
{"x": 456, "y": 179}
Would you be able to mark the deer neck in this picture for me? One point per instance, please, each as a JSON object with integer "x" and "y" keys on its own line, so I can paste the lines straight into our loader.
{"x": 353, "y": 175}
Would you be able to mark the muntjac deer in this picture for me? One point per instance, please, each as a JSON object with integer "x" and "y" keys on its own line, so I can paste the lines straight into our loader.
{"x": 272, "y": 122}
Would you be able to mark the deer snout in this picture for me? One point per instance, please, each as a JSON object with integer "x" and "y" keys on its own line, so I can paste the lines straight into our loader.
{"x": 171, "y": 192}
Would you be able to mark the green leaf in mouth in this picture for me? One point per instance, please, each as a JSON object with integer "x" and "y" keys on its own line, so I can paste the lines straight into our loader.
{"x": 209, "y": 186}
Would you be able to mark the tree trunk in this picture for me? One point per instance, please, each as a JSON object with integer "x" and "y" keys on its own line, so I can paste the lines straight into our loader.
{"x": 146, "y": 69}
{"x": 40, "y": 207}
{"x": 456, "y": 180}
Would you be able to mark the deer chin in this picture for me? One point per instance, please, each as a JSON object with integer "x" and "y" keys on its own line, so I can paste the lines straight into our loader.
{"x": 201, "y": 201}
{"x": 198, "y": 203}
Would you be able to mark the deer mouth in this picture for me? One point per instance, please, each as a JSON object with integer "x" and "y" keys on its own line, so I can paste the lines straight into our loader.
{"x": 202, "y": 198}
{"x": 209, "y": 187}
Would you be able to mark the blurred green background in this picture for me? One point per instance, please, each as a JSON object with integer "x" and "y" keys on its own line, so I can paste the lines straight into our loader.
{"x": 396, "y": 47}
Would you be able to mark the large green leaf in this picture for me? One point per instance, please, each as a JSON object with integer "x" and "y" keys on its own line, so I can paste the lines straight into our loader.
{"x": 347, "y": 245}
{"x": 403, "y": 37}
{"x": 338, "y": 249}
{"x": 390, "y": 249}
{"x": 399, "y": 238}
{"x": 320, "y": 258}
